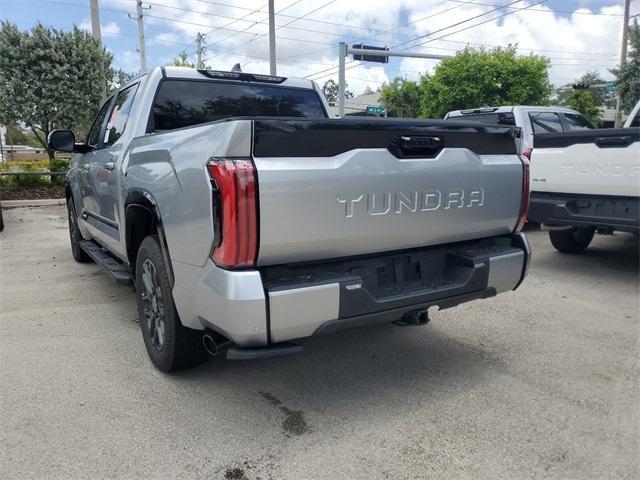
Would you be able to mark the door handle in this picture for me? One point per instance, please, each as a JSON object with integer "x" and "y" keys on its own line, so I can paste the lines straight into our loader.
{"x": 621, "y": 141}
{"x": 85, "y": 166}
{"x": 109, "y": 165}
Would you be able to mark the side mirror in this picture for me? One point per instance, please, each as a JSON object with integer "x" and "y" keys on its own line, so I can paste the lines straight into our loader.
{"x": 62, "y": 140}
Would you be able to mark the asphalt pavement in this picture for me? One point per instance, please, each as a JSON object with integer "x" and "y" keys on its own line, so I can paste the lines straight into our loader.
{"x": 538, "y": 383}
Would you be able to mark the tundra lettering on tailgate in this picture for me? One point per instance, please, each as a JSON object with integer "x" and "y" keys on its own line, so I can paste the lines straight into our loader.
{"x": 391, "y": 203}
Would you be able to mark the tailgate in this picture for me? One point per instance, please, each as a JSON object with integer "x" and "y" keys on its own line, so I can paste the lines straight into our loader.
{"x": 337, "y": 188}
{"x": 590, "y": 162}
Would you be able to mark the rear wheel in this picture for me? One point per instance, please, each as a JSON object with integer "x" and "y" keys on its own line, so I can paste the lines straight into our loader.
{"x": 170, "y": 345}
{"x": 574, "y": 240}
{"x": 79, "y": 255}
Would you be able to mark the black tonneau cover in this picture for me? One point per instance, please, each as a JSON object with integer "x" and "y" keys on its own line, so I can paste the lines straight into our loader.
{"x": 602, "y": 137}
{"x": 296, "y": 137}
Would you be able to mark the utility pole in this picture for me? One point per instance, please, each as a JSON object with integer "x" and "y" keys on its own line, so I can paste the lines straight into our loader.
{"x": 623, "y": 60}
{"x": 199, "y": 50}
{"x": 97, "y": 34}
{"x": 342, "y": 84}
{"x": 95, "y": 22}
{"x": 272, "y": 39}
{"x": 143, "y": 58}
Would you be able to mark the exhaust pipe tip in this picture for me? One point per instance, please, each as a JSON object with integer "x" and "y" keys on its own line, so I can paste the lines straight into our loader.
{"x": 215, "y": 344}
{"x": 209, "y": 345}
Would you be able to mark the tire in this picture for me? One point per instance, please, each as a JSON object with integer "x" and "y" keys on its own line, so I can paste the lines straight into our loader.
{"x": 170, "y": 345}
{"x": 79, "y": 255}
{"x": 575, "y": 240}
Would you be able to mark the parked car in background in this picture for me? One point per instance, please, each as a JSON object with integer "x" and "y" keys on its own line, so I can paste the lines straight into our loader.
{"x": 281, "y": 223}
{"x": 531, "y": 119}
{"x": 584, "y": 183}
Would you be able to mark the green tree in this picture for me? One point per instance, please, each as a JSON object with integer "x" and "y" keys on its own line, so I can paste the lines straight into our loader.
{"x": 590, "y": 82}
{"x": 628, "y": 75}
{"x": 50, "y": 78}
{"x": 182, "y": 60}
{"x": 17, "y": 136}
{"x": 583, "y": 102}
{"x": 330, "y": 91}
{"x": 401, "y": 98}
{"x": 475, "y": 77}
{"x": 118, "y": 80}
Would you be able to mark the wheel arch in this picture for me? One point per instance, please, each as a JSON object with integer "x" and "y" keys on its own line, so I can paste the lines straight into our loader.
{"x": 143, "y": 218}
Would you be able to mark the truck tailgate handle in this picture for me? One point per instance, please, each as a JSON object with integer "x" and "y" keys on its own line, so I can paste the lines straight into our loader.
{"x": 621, "y": 141}
{"x": 416, "y": 146}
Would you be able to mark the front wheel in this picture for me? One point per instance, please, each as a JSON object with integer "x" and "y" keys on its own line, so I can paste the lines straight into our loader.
{"x": 79, "y": 255}
{"x": 574, "y": 240}
{"x": 170, "y": 345}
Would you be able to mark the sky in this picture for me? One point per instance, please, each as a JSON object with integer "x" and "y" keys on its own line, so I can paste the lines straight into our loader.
{"x": 576, "y": 35}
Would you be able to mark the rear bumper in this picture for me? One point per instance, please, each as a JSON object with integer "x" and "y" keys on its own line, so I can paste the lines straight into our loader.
{"x": 557, "y": 209}
{"x": 281, "y": 303}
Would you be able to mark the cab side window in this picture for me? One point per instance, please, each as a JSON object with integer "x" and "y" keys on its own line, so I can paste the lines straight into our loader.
{"x": 545, "y": 122}
{"x": 577, "y": 122}
{"x": 93, "y": 137}
{"x": 119, "y": 115}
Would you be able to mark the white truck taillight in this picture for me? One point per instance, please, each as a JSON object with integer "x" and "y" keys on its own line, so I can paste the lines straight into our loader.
{"x": 524, "y": 203}
{"x": 234, "y": 212}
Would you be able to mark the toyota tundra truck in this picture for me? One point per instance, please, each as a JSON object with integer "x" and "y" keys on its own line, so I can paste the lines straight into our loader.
{"x": 245, "y": 218}
{"x": 586, "y": 182}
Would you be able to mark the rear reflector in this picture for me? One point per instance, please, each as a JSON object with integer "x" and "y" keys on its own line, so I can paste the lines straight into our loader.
{"x": 234, "y": 212}
{"x": 524, "y": 203}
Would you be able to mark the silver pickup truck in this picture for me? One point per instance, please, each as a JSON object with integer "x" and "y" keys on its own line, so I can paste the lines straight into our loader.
{"x": 246, "y": 218}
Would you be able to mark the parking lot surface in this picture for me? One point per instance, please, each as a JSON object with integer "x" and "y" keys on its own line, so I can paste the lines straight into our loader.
{"x": 538, "y": 383}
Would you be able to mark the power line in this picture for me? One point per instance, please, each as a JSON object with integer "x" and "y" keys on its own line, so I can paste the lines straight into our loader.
{"x": 527, "y": 49}
{"x": 448, "y": 34}
{"x": 547, "y": 10}
{"x": 425, "y": 35}
{"x": 460, "y": 23}
{"x": 256, "y": 23}
{"x": 475, "y": 25}
{"x": 278, "y": 28}
{"x": 253, "y": 22}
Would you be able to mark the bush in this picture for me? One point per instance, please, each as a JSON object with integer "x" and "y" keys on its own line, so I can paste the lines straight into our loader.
{"x": 31, "y": 181}
{"x": 58, "y": 165}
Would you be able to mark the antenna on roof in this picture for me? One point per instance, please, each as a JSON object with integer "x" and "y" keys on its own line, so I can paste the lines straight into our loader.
{"x": 236, "y": 68}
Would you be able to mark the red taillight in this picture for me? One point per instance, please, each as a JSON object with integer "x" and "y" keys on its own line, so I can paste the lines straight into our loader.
{"x": 234, "y": 207}
{"x": 524, "y": 203}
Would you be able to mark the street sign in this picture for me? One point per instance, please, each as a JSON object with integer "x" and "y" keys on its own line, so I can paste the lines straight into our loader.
{"x": 611, "y": 87}
{"x": 370, "y": 58}
{"x": 375, "y": 109}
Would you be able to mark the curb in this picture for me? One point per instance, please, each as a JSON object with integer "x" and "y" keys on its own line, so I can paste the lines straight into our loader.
{"x": 33, "y": 203}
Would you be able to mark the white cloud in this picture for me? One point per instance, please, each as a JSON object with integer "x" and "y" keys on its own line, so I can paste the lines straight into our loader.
{"x": 111, "y": 29}
{"x": 237, "y": 33}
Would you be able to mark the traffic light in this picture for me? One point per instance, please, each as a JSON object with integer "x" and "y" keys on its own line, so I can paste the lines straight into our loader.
{"x": 370, "y": 58}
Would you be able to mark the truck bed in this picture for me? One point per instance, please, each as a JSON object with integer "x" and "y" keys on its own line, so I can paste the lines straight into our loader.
{"x": 589, "y": 162}
{"x": 587, "y": 179}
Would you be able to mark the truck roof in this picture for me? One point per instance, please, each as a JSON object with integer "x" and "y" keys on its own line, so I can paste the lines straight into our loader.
{"x": 510, "y": 108}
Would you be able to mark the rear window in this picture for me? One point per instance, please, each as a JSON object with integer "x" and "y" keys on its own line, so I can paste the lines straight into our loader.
{"x": 506, "y": 118}
{"x": 182, "y": 103}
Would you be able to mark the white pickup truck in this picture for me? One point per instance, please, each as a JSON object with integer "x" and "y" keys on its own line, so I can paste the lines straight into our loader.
{"x": 532, "y": 120}
{"x": 585, "y": 182}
